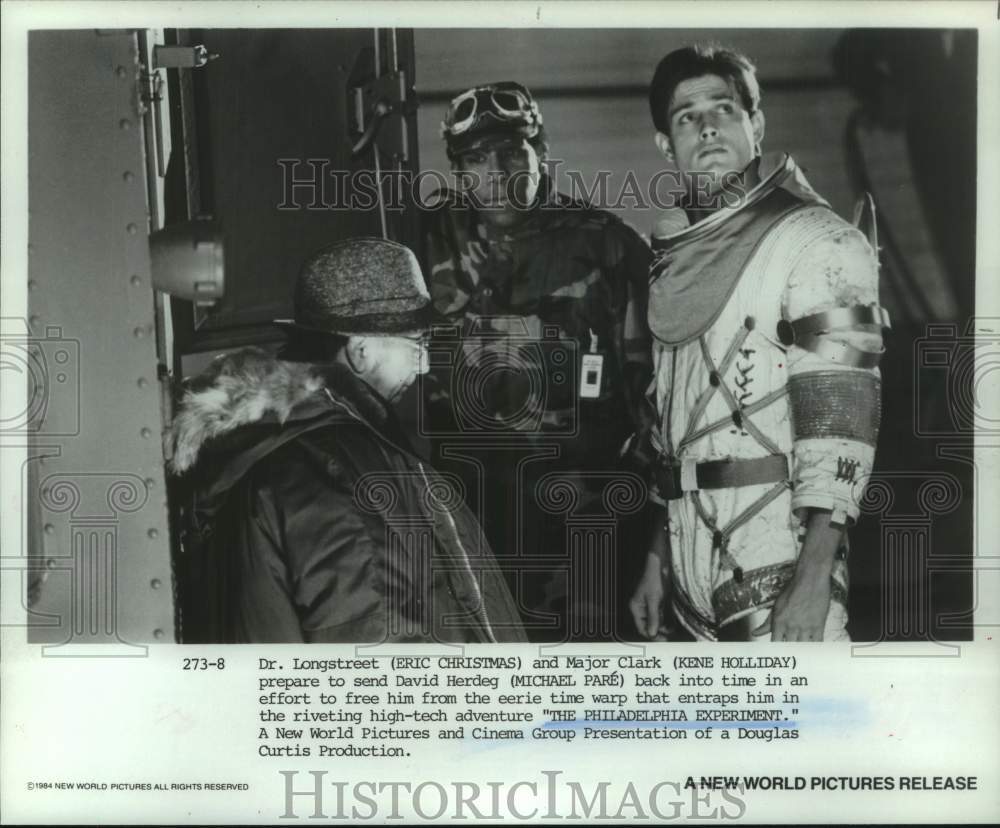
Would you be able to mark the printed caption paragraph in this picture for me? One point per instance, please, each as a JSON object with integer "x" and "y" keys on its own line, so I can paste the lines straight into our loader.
{"x": 390, "y": 707}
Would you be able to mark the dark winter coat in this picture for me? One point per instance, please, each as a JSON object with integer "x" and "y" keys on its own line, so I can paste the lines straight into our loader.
{"x": 312, "y": 520}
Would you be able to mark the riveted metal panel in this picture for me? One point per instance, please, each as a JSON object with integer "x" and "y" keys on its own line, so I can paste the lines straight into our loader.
{"x": 99, "y": 497}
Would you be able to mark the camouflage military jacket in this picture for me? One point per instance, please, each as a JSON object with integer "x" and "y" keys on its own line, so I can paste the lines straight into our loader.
{"x": 542, "y": 332}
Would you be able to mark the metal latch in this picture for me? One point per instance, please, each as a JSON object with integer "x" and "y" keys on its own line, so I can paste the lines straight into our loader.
{"x": 180, "y": 57}
{"x": 151, "y": 95}
{"x": 375, "y": 104}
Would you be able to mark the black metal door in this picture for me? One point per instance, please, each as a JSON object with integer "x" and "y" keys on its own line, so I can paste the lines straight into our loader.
{"x": 280, "y": 139}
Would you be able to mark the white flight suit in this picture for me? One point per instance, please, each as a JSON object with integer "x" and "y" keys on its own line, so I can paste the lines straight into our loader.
{"x": 809, "y": 261}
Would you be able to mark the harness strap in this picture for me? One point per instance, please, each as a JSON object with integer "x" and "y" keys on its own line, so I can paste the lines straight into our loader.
{"x": 753, "y": 408}
{"x": 742, "y": 422}
{"x": 715, "y": 375}
{"x": 771, "y": 494}
{"x": 675, "y": 479}
{"x": 716, "y": 381}
{"x": 720, "y": 537}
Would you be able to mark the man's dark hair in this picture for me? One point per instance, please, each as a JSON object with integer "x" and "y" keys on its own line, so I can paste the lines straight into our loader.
{"x": 311, "y": 346}
{"x": 695, "y": 62}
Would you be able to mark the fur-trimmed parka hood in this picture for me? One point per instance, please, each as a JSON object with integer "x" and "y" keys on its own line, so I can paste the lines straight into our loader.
{"x": 249, "y": 388}
{"x": 281, "y": 549}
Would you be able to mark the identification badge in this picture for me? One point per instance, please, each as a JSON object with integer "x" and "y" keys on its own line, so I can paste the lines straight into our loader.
{"x": 590, "y": 376}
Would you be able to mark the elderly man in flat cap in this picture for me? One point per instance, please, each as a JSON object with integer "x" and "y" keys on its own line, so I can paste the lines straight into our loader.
{"x": 314, "y": 518}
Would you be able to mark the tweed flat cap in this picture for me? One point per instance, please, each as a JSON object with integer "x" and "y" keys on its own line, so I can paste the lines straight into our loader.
{"x": 357, "y": 286}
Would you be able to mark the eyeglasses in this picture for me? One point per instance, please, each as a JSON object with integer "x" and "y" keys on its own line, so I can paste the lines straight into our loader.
{"x": 420, "y": 341}
{"x": 506, "y": 101}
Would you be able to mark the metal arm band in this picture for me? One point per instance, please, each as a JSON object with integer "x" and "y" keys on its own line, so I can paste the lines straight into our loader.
{"x": 850, "y": 317}
{"x": 840, "y": 352}
{"x": 835, "y": 404}
{"x": 809, "y": 333}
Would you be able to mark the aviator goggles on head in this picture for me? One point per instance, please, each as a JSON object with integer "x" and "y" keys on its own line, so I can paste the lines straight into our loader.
{"x": 496, "y": 104}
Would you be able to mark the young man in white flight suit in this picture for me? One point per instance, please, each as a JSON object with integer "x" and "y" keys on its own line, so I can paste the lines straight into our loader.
{"x": 767, "y": 332}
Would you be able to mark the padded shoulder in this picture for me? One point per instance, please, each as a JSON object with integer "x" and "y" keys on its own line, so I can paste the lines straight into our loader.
{"x": 812, "y": 260}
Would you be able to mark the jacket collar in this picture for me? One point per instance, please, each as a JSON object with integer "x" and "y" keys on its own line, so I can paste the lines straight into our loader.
{"x": 776, "y": 170}
{"x": 251, "y": 388}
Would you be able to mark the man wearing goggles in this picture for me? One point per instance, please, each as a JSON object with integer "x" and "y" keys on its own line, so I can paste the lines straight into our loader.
{"x": 496, "y": 141}
{"x": 503, "y": 102}
{"x": 543, "y": 299}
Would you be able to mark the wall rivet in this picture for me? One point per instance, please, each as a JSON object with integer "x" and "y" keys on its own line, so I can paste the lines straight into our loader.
{"x": 50, "y": 563}
{"x": 120, "y": 71}
{"x": 132, "y": 228}
{"x": 49, "y": 529}
{"x": 125, "y": 123}
{"x": 135, "y": 281}
{"x": 129, "y": 176}
{"x": 157, "y": 633}
{"x": 152, "y": 534}
{"x": 139, "y": 333}
{"x": 142, "y": 382}
{"x": 32, "y": 284}
{"x": 150, "y": 483}
{"x": 156, "y": 583}
{"x": 145, "y": 433}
